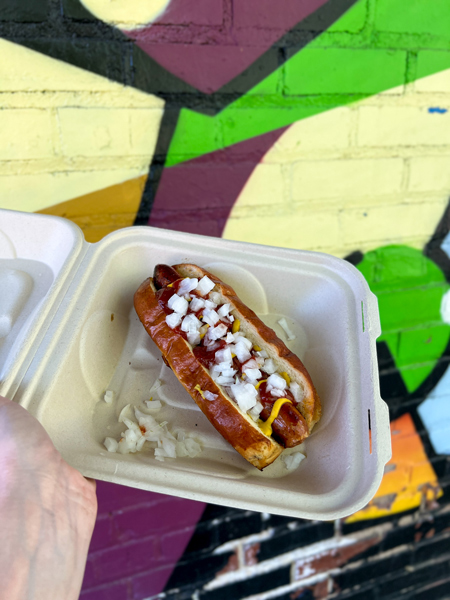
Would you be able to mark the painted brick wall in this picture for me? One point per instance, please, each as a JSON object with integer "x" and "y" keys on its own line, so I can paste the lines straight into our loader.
{"x": 212, "y": 121}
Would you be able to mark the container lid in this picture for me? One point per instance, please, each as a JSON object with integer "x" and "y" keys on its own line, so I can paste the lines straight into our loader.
{"x": 37, "y": 255}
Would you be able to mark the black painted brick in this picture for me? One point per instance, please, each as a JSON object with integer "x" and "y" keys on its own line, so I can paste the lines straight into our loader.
{"x": 278, "y": 521}
{"x": 199, "y": 570}
{"x": 75, "y": 10}
{"x": 23, "y": 11}
{"x": 204, "y": 540}
{"x": 438, "y": 591}
{"x": 214, "y": 511}
{"x": 248, "y": 587}
{"x": 373, "y": 570}
{"x": 430, "y": 549}
{"x": 247, "y": 523}
{"x": 430, "y": 573}
{"x": 349, "y": 528}
{"x": 106, "y": 58}
{"x": 304, "y": 536}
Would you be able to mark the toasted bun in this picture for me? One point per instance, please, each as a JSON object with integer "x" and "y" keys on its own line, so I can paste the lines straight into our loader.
{"x": 224, "y": 414}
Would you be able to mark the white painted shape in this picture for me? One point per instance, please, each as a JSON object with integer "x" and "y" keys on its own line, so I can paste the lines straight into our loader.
{"x": 445, "y": 307}
{"x": 125, "y": 14}
{"x": 446, "y": 245}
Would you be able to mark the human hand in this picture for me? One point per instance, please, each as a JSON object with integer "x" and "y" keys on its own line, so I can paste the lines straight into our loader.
{"x": 47, "y": 513}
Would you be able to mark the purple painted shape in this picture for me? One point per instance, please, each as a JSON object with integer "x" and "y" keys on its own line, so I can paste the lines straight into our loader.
{"x": 126, "y": 551}
{"x": 197, "y": 196}
{"x": 207, "y": 57}
{"x": 117, "y": 591}
{"x": 150, "y": 584}
{"x": 141, "y": 521}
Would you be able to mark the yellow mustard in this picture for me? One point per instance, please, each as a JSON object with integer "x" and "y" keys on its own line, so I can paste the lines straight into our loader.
{"x": 266, "y": 426}
{"x": 200, "y": 391}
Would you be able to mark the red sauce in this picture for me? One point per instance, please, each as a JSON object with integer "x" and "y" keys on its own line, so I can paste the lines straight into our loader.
{"x": 266, "y": 398}
{"x": 206, "y": 356}
{"x": 163, "y": 296}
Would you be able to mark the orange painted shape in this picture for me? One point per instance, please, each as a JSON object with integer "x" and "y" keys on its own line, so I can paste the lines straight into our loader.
{"x": 99, "y": 213}
{"x": 409, "y": 480}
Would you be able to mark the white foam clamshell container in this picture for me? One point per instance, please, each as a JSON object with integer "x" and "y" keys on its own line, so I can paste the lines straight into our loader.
{"x": 60, "y": 351}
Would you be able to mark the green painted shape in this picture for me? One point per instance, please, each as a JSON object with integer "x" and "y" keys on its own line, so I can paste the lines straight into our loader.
{"x": 344, "y": 71}
{"x": 334, "y": 70}
{"x": 409, "y": 287}
{"x": 409, "y": 16}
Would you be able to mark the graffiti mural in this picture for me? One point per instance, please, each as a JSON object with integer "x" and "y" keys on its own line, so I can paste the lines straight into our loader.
{"x": 321, "y": 124}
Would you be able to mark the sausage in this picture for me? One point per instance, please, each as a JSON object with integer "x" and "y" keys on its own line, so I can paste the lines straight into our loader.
{"x": 163, "y": 275}
{"x": 289, "y": 428}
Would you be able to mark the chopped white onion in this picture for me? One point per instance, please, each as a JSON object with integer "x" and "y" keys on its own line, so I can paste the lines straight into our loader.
{"x": 297, "y": 391}
{"x": 210, "y": 396}
{"x": 178, "y": 304}
{"x": 173, "y": 320}
{"x": 283, "y": 324}
{"x": 292, "y": 461}
{"x": 245, "y": 395}
{"x": 250, "y": 364}
{"x": 111, "y": 444}
{"x": 194, "y": 338}
{"x": 187, "y": 285}
{"x": 253, "y": 374}
{"x": 262, "y": 354}
{"x": 192, "y": 447}
{"x": 210, "y": 316}
{"x": 210, "y": 304}
{"x": 153, "y": 405}
{"x": 256, "y": 411}
{"x": 277, "y": 381}
{"x": 276, "y": 393}
{"x": 205, "y": 285}
{"x": 224, "y": 355}
{"x": 224, "y": 310}
{"x": 241, "y": 351}
{"x": 247, "y": 343}
{"x": 122, "y": 412}
{"x": 197, "y": 304}
{"x": 191, "y": 324}
{"x": 269, "y": 366}
{"x": 158, "y": 383}
{"x": 217, "y": 332}
{"x": 230, "y": 338}
{"x": 109, "y": 396}
{"x": 222, "y": 380}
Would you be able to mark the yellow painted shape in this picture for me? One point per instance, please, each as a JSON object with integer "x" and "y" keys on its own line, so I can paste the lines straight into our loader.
{"x": 125, "y": 14}
{"x": 67, "y": 132}
{"x": 104, "y": 211}
{"x": 409, "y": 478}
{"x": 353, "y": 178}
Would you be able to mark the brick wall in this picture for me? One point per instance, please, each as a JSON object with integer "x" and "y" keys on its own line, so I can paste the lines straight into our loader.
{"x": 305, "y": 128}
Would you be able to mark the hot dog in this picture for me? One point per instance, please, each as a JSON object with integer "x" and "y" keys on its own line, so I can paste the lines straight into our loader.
{"x": 250, "y": 386}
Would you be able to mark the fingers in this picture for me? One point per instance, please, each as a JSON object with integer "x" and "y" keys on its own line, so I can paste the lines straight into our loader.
{"x": 4, "y": 401}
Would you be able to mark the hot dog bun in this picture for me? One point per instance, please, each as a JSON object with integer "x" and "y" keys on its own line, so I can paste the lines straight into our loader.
{"x": 233, "y": 424}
